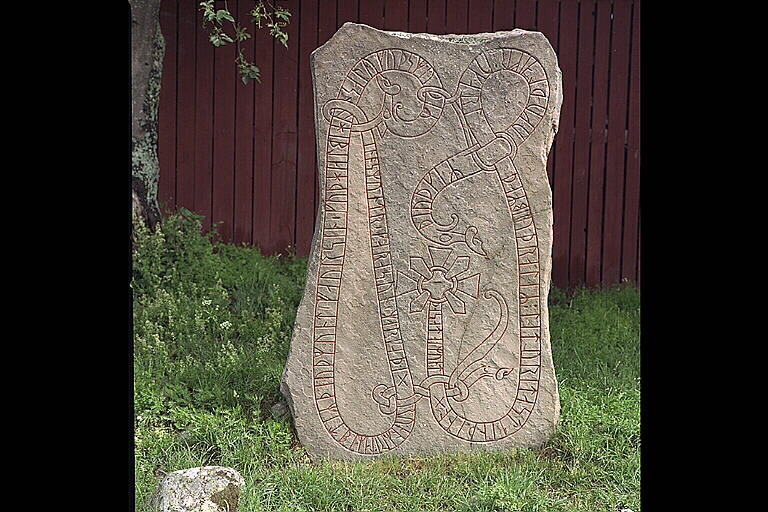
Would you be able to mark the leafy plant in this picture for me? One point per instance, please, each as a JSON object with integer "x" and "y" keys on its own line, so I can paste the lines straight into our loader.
{"x": 274, "y": 17}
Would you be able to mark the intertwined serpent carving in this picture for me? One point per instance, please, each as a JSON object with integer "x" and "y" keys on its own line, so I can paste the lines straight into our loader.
{"x": 409, "y": 100}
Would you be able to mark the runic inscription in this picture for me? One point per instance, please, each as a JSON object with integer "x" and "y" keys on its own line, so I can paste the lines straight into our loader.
{"x": 424, "y": 326}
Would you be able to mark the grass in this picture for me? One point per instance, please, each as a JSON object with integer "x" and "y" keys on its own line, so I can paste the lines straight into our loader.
{"x": 212, "y": 324}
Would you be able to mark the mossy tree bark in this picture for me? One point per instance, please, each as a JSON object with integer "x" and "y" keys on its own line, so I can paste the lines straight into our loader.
{"x": 147, "y": 52}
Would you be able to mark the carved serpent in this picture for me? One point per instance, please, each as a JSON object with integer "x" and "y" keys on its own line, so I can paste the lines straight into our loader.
{"x": 486, "y": 151}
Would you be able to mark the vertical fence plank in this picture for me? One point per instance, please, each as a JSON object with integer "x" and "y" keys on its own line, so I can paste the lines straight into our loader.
{"x": 598, "y": 138}
{"x": 262, "y": 139}
{"x": 307, "y": 175}
{"x": 503, "y": 15}
{"x": 480, "y": 16}
{"x": 548, "y": 18}
{"x": 347, "y": 11}
{"x": 436, "y": 17}
{"x": 284, "y": 141}
{"x": 564, "y": 151}
{"x": 166, "y": 137}
{"x": 243, "y": 214}
{"x": 417, "y": 16}
{"x": 639, "y": 249}
{"x": 396, "y": 15}
{"x": 580, "y": 188}
{"x": 223, "y": 186}
{"x": 617, "y": 124}
{"x": 525, "y": 14}
{"x": 372, "y": 13}
{"x": 185, "y": 106}
{"x": 456, "y": 16}
{"x": 326, "y": 21}
{"x": 203, "y": 124}
{"x": 629, "y": 266}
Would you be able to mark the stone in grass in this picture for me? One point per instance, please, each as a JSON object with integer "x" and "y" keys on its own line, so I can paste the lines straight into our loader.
{"x": 424, "y": 325}
{"x": 203, "y": 489}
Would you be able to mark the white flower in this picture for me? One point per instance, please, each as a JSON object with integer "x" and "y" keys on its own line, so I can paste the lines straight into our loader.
{"x": 207, "y": 302}
{"x": 226, "y": 324}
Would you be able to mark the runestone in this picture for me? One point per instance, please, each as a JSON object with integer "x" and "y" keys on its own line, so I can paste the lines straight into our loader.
{"x": 424, "y": 325}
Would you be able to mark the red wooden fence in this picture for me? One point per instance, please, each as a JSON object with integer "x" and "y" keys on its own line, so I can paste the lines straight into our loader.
{"x": 244, "y": 156}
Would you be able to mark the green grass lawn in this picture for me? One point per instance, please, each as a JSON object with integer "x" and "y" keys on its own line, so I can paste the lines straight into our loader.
{"x": 212, "y": 325}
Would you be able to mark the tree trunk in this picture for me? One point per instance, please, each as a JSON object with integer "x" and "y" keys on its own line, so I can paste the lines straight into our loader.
{"x": 147, "y": 52}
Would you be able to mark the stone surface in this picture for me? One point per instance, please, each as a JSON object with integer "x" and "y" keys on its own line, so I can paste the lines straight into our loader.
{"x": 424, "y": 324}
{"x": 203, "y": 489}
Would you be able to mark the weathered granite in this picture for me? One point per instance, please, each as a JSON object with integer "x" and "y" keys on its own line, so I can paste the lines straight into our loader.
{"x": 203, "y": 489}
{"x": 424, "y": 323}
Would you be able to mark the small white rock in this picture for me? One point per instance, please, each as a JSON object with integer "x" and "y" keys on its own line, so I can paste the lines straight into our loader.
{"x": 203, "y": 489}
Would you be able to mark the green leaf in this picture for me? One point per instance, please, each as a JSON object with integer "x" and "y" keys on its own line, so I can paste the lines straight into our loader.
{"x": 283, "y": 14}
{"x": 241, "y": 34}
{"x": 257, "y": 14}
{"x": 223, "y": 14}
{"x": 249, "y": 72}
{"x": 207, "y": 7}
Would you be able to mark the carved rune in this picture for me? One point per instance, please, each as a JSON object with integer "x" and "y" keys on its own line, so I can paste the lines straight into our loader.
{"x": 397, "y": 92}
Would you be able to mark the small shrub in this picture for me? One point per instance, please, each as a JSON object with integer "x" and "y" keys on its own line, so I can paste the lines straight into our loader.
{"x": 212, "y": 324}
